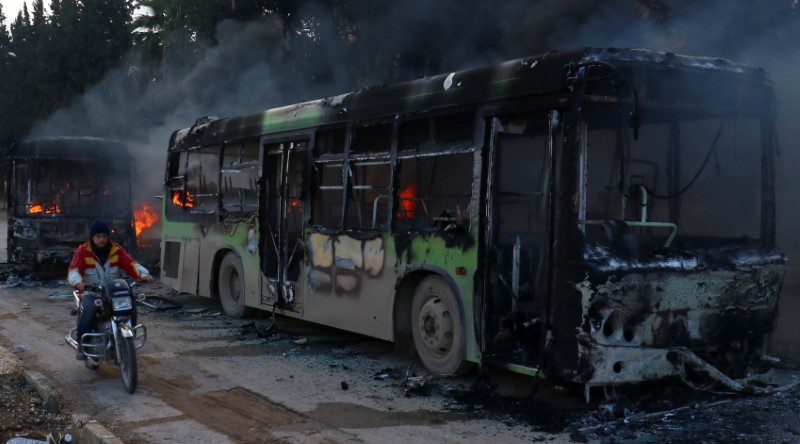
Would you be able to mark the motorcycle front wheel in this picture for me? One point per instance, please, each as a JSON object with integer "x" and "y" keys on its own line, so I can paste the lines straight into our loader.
{"x": 127, "y": 363}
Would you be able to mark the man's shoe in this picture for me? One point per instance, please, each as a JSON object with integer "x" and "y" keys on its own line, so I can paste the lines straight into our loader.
{"x": 80, "y": 356}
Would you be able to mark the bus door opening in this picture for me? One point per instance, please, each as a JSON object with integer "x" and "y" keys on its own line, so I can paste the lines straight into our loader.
{"x": 517, "y": 238}
{"x": 284, "y": 215}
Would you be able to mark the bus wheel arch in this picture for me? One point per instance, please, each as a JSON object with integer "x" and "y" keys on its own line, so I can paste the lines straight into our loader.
{"x": 230, "y": 285}
{"x": 437, "y": 325}
{"x": 404, "y": 296}
{"x": 218, "y": 256}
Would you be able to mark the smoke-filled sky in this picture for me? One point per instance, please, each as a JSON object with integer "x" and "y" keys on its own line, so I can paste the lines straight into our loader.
{"x": 253, "y": 67}
{"x": 11, "y": 8}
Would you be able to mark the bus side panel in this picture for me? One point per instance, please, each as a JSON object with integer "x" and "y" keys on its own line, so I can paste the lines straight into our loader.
{"x": 179, "y": 269}
{"x": 218, "y": 241}
{"x": 456, "y": 256}
{"x": 189, "y": 271}
{"x": 349, "y": 283}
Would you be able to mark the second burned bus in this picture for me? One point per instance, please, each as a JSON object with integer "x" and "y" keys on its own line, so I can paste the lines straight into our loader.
{"x": 599, "y": 216}
{"x": 56, "y": 187}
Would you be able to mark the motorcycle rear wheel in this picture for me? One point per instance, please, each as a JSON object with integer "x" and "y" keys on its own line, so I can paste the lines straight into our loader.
{"x": 127, "y": 363}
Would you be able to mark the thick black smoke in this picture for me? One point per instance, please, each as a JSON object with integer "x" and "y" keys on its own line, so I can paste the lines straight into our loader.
{"x": 258, "y": 65}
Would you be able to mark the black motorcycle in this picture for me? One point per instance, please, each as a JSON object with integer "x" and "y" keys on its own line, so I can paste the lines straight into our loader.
{"x": 115, "y": 339}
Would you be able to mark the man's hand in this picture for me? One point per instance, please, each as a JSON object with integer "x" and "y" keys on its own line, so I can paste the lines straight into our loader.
{"x": 149, "y": 279}
{"x": 80, "y": 286}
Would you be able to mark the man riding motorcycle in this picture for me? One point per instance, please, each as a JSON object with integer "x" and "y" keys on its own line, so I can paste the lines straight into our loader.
{"x": 95, "y": 261}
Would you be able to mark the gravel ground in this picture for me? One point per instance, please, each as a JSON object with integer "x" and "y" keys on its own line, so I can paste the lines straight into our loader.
{"x": 22, "y": 414}
{"x": 333, "y": 385}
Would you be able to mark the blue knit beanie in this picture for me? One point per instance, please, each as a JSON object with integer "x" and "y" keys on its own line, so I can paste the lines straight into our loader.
{"x": 98, "y": 227}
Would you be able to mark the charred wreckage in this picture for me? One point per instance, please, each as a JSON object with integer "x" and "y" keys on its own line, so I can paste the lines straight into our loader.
{"x": 57, "y": 185}
{"x": 598, "y": 216}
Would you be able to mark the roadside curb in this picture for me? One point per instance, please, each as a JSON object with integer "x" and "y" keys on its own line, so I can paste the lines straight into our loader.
{"x": 50, "y": 399}
{"x": 91, "y": 432}
{"x": 87, "y": 431}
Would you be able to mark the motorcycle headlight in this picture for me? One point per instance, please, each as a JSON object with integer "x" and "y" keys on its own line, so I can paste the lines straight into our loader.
{"x": 121, "y": 303}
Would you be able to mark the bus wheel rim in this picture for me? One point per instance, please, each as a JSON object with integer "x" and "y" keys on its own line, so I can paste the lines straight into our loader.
{"x": 436, "y": 326}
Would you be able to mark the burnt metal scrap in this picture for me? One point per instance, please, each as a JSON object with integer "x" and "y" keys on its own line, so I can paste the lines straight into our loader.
{"x": 57, "y": 186}
{"x": 706, "y": 312}
{"x": 567, "y": 201}
{"x": 671, "y": 415}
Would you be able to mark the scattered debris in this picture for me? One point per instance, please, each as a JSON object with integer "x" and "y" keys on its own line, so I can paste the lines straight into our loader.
{"x": 12, "y": 271}
{"x": 418, "y": 385}
{"x": 387, "y": 373}
{"x": 59, "y": 296}
{"x": 19, "y": 440}
{"x": 59, "y": 438}
{"x": 159, "y": 303}
{"x": 301, "y": 341}
{"x": 415, "y": 385}
{"x": 29, "y": 281}
{"x": 345, "y": 385}
{"x": 196, "y": 310}
{"x": 17, "y": 349}
{"x": 15, "y": 275}
{"x": 260, "y": 330}
{"x": 23, "y": 416}
{"x": 613, "y": 410}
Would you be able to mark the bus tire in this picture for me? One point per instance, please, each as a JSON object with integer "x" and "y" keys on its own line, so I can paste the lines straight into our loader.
{"x": 231, "y": 288}
{"x": 438, "y": 328}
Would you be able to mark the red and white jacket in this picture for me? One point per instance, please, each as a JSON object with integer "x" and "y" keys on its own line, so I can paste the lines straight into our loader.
{"x": 86, "y": 267}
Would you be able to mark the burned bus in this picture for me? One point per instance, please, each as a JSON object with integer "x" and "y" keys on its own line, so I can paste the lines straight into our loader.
{"x": 57, "y": 186}
{"x": 597, "y": 216}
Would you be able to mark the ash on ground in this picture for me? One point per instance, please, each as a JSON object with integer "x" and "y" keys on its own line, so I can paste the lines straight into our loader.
{"x": 663, "y": 412}
{"x": 699, "y": 417}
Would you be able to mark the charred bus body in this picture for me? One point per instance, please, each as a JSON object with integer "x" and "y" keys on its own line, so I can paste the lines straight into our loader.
{"x": 599, "y": 216}
{"x": 57, "y": 186}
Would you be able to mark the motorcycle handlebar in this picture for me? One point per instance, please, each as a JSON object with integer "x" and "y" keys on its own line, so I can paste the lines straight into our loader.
{"x": 93, "y": 288}
{"x": 100, "y": 288}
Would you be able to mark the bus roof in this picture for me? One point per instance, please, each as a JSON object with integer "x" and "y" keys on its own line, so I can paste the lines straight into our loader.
{"x": 70, "y": 146}
{"x": 535, "y": 75}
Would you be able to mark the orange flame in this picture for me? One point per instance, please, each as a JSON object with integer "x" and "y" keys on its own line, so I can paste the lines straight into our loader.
{"x": 144, "y": 217}
{"x": 408, "y": 201}
{"x": 295, "y": 204}
{"x": 37, "y": 208}
{"x": 179, "y": 199}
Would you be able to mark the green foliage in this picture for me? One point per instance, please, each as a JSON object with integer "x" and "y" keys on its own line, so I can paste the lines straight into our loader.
{"x": 173, "y": 32}
{"x": 48, "y": 60}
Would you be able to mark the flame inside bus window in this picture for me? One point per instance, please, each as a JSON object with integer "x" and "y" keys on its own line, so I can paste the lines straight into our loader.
{"x": 182, "y": 198}
{"x": 408, "y": 202}
{"x": 52, "y": 187}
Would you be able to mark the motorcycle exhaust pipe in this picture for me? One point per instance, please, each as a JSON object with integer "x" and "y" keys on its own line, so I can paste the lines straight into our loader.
{"x": 70, "y": 341}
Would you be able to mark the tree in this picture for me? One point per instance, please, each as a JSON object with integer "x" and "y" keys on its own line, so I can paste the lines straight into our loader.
{"x": 48, "y": 60}
{"x": 6, "y": 56}
{"x": 104, "y": 37}
{"x": 174, "y": 32}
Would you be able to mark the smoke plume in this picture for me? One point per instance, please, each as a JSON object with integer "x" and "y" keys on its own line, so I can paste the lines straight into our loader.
{"x": 258, "y": 65}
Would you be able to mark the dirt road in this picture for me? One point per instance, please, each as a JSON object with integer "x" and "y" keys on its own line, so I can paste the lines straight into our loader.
{"x": 205, "y": 378}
